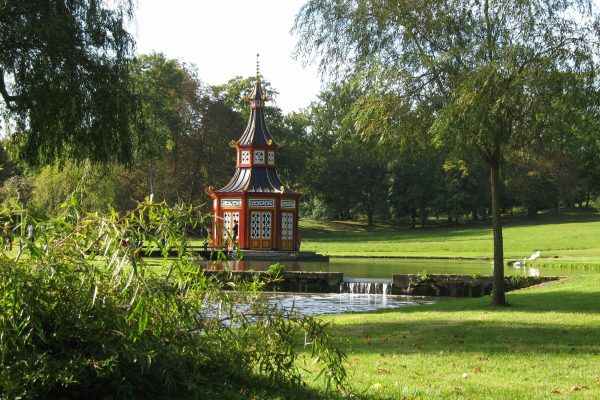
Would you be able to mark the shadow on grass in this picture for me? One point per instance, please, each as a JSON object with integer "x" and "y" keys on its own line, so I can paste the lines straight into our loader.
{"x": 562, "y": 300}
{"x": 317, "y": 234}
{"x": 324, "y": 231}
{"x": 489, "y": 337}
{"x": 475, "y": 326}
{"x": 255, "y": 388}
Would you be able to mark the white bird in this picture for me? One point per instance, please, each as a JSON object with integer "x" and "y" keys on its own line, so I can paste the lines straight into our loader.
{"x": 535, "y": 255}
{"x": 518, "y": 264}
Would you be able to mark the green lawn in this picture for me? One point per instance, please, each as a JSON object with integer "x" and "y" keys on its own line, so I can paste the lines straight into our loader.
{"x": 545, "y": 346}
{"x": 573, "y": 238}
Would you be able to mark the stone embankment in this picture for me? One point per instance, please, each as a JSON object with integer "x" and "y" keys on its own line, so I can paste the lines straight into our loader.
{"x": 459, "y": 285}
{"x": 412, "y": 285}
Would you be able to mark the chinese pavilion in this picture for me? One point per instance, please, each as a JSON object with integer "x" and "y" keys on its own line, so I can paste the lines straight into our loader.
{"x": 255, "y": 206}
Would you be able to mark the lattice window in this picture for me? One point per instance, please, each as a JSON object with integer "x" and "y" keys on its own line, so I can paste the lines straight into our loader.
{"x": 283, "y": 226}
{"x": 226, "y": 223}
{"x": 271, "y": 158}
{"x": 290, "y": 227}
{"x": 245, "y": 157}
{"x": 266, "y": 225}
{"x": 255, "y": 225}
{"x": 287, "y": 226}
{"x": 259, "y": 156}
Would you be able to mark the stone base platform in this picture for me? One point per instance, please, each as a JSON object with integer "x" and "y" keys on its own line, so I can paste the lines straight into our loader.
{"x": 207, "y": 253}
{"x": 273, "y": 255}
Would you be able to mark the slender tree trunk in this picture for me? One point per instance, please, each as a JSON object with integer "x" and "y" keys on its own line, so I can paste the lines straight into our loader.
{"x": 558, "y": 197}
{"x": 498, "y": 298}
{"x": 150, "y": 177}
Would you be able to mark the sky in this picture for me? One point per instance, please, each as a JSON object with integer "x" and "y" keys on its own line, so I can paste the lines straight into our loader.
{"x": 221, "y": 38}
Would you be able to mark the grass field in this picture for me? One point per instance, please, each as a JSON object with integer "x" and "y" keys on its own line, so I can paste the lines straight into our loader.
{"x": 573, "y": 238}
{"x": 545, "y": 346}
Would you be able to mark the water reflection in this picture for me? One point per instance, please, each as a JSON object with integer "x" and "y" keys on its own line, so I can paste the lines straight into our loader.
{"x": 386, "y": 268}
{"x": 338, "y": 303}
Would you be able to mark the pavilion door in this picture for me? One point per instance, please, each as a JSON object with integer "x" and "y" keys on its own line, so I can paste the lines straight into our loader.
{"x": 261, "y": 228}
{"x": 287, "y": 231}
{"x": 229, "y": 220}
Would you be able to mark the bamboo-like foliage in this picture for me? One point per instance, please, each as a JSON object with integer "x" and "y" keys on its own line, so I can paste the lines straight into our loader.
{"x": 83, "y": 314}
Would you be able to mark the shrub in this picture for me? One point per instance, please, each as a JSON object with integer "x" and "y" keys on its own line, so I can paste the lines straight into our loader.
{"x": 275, "y": 270}
{"x": 84, "y": 315}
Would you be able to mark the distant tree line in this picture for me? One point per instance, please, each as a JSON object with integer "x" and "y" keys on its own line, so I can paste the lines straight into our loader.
{"x": 346, "y": 177}
{"x": 181, "y": 148}
{"x": 179, "y": 144}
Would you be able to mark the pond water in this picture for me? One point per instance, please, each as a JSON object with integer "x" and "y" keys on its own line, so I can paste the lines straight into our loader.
{"x": 367, "y": 280}
{"x": 338, "y": 303}
{"x": 385, "y": 268}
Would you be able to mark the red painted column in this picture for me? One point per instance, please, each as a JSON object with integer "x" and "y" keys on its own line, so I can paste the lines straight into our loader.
{"x": 277, "y": 224}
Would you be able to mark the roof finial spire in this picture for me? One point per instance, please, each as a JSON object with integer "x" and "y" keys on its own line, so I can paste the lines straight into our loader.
{"x": 257, "y": 68}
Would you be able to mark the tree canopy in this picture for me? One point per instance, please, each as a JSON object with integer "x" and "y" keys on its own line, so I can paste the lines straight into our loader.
{"x": 492, "y": 73}
{"x": 64, "y": 79}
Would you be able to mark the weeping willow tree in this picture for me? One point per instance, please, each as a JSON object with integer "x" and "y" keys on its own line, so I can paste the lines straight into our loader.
{"x": 489, "y": 74}
{"x": 64, "y": 79}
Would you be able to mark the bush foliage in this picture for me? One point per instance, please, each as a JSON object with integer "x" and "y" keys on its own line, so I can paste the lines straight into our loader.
{"x": 84, "y": 315}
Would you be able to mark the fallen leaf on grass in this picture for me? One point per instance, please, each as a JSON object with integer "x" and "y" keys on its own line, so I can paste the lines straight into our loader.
{"x": 555, "y": 391}
{"x": 576, "y": 388}
{"x": 381, "y": 369}
{"x": 478, "y": 369}
{"x": 598, "y": 381}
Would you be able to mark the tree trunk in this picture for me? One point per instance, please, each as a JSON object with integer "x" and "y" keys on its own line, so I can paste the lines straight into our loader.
{"x": 558, "y": 198}
{"x": 150, "y": 177}
{"x": 498, "y": 297}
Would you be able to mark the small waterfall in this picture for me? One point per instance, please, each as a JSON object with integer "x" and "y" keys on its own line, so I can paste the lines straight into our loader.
{"x": 366, "y": 286}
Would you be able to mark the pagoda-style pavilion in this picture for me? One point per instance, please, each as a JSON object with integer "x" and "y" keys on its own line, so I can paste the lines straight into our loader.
{"x": 255, "y": 200}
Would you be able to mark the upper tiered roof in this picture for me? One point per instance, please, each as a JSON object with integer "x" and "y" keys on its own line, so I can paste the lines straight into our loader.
{"x": 256, "y": 178}
{"x": 257, "y": 133}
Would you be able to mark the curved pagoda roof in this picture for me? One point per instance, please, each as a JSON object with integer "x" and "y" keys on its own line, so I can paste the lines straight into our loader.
{"x": 256, "y": 178}
{"x": 257, "y": 133}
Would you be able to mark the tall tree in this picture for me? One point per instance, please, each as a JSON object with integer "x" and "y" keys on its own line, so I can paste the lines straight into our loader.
{"x": 485, "y": 68}
{"x": 347, "y": 174}
{"x": 168, "y": 95}
{"x": 64, "y": 78}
